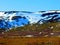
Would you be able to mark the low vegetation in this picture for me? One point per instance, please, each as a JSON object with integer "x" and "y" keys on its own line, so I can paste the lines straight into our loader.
{"x": 54, "y": 26}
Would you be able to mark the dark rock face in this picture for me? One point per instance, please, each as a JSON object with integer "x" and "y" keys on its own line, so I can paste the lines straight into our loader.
{"x": 53, "y": 17}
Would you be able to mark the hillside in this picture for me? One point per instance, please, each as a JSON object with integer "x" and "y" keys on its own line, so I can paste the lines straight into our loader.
{"x": 50, "y": 29}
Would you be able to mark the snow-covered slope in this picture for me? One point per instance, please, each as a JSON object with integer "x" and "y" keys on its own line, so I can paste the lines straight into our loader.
{"x": 9, "y": 19}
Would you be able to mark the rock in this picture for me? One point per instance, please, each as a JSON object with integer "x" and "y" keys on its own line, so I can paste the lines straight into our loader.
{"x": 28, "y": 35}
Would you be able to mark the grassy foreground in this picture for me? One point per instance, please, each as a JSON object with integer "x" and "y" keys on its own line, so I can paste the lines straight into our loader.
{"x": 29, "y": 40}
{"x": 12, "y": 37}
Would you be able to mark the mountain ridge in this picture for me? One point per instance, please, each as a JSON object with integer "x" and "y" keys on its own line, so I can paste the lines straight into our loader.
{"x": 21, "y": 18}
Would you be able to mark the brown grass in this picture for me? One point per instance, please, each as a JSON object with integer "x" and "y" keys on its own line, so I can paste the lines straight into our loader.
{"x": 29, "y": 41}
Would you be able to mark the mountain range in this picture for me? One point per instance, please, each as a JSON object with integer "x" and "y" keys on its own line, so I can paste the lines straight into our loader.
{"x": 9, "y": 19}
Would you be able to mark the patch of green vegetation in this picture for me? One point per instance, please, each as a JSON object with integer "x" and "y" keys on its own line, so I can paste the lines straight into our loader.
{"x": 54, "y": 26}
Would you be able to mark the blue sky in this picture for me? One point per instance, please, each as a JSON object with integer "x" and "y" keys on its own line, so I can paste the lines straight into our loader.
{"x": 29, "y": 5}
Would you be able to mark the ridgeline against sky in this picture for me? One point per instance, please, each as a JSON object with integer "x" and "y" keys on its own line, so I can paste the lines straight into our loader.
{"x": 9, "y": 19}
